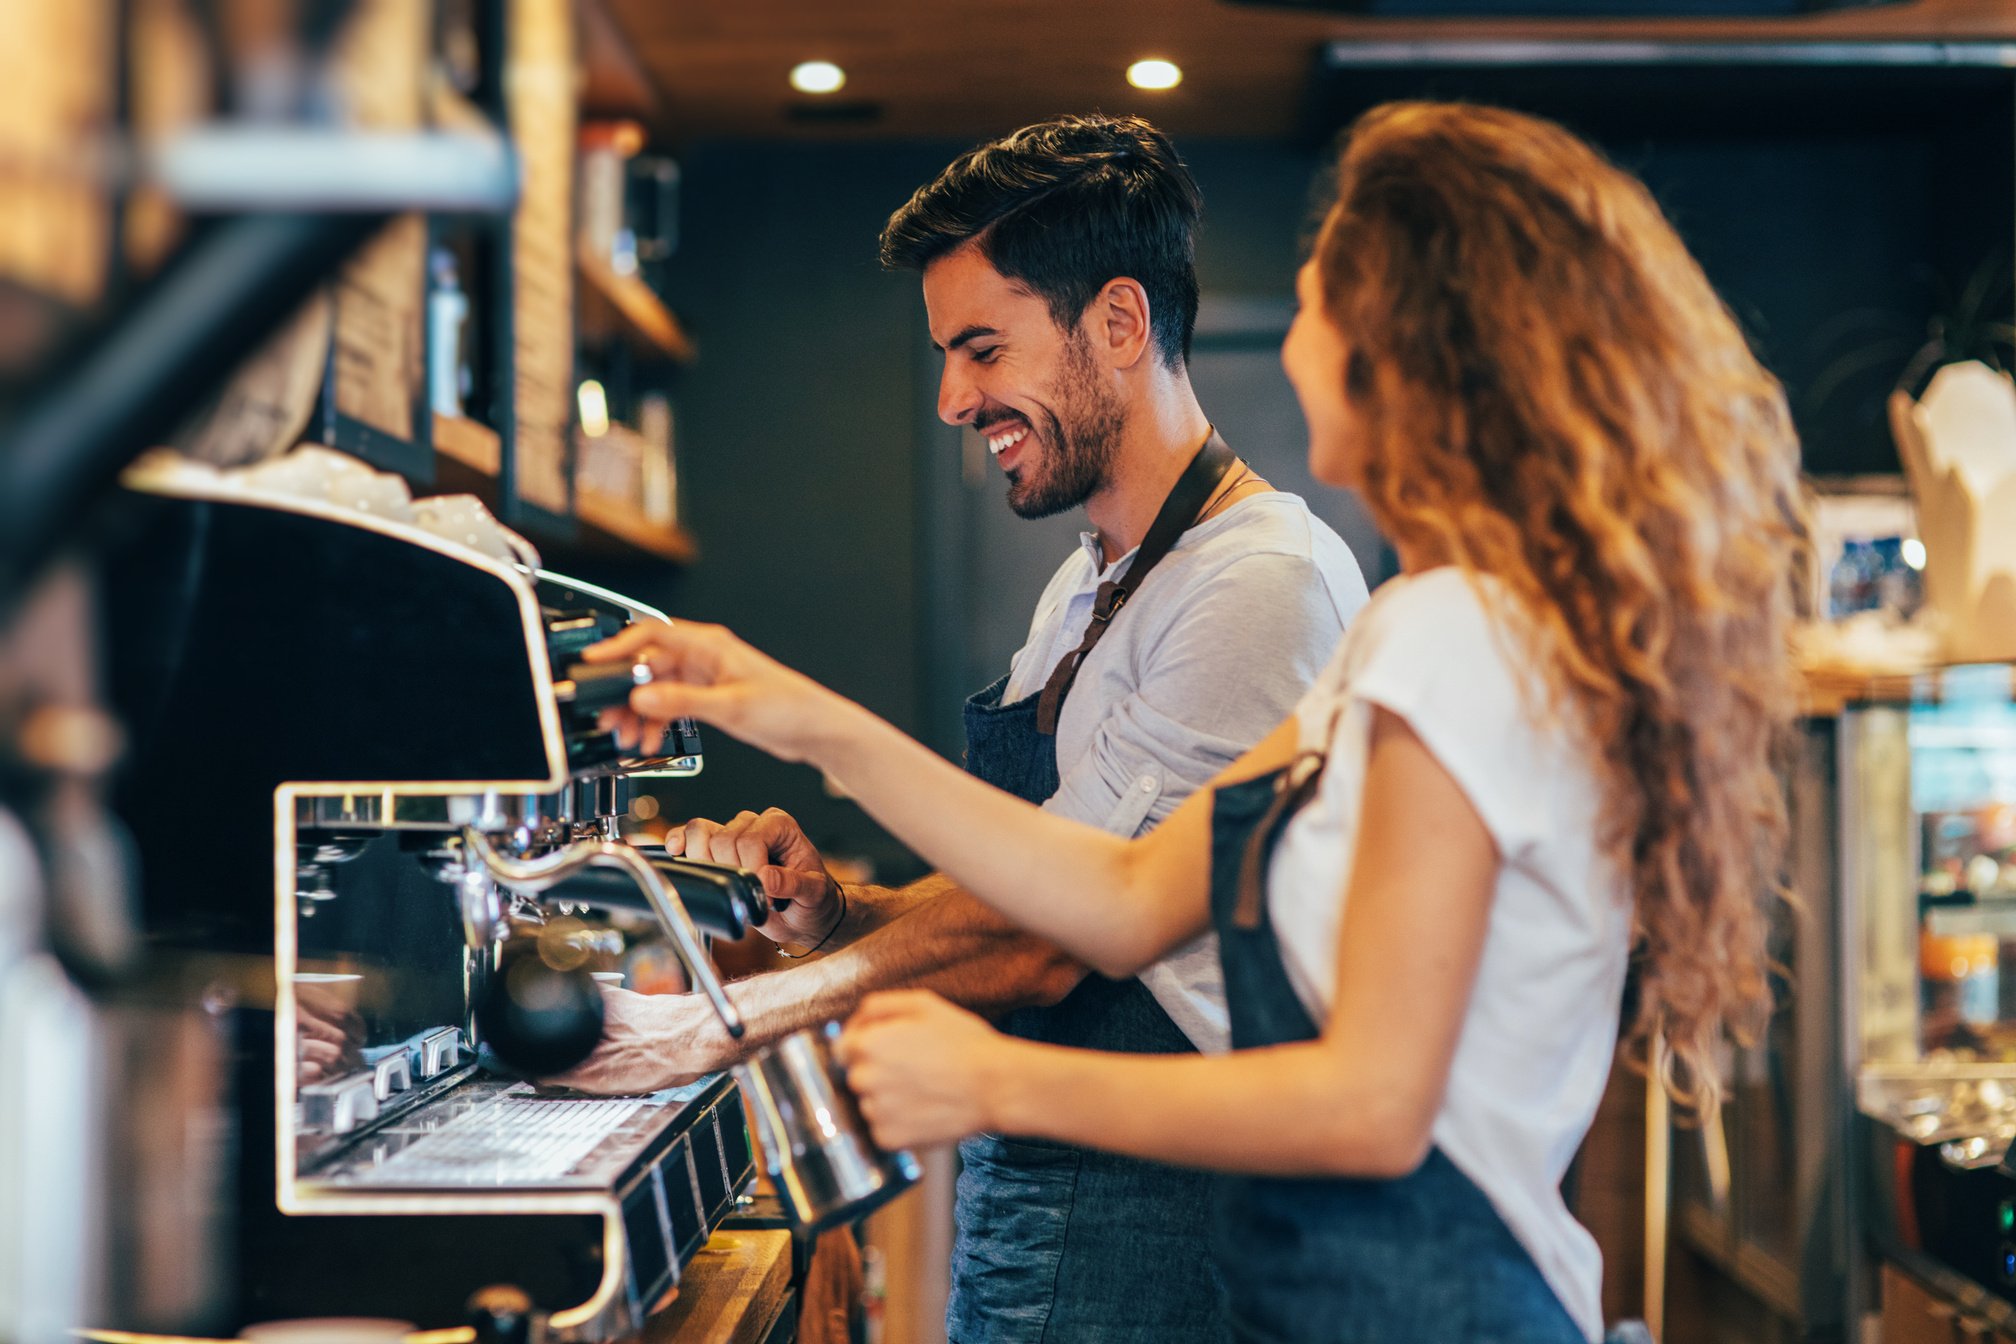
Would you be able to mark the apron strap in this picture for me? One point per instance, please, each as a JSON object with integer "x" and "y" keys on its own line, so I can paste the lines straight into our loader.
{"x": 1179, "y": 511}
{"x": 1293, "y": 788}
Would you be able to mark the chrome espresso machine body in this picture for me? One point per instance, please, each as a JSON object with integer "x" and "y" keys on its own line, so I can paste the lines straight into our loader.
{"x": 366, "y": 758}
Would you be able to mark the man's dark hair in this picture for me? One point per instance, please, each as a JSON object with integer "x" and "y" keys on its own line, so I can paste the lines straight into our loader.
{"x": 1063, "y": 207}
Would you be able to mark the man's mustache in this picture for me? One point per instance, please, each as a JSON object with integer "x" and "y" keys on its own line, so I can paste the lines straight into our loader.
{"x": 986, "y": 420}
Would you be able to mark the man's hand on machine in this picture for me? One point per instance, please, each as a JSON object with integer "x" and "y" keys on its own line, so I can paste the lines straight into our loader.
{"x": 705, "y": 672}
{"x": 650, "y": 1041}
{"x": 804, "y": 900}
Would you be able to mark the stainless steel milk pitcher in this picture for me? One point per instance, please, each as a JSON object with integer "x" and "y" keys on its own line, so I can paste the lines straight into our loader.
{"x": 816, "y": 1146}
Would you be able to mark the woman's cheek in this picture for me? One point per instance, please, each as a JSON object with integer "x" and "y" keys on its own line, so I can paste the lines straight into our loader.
{"x": 1333, "y": 458}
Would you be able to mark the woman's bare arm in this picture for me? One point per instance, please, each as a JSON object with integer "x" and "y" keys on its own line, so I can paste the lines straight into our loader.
{"x": 1115, "y": 904}
{"x": 1360, "y": 1100}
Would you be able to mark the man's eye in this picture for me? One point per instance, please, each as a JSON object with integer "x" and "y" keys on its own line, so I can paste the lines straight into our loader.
{"x": 986, "y": 356}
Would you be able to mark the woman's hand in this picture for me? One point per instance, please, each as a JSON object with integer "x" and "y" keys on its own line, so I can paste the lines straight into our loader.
{"x": 705, "y": 672}
{"x": 924, "y": 1071}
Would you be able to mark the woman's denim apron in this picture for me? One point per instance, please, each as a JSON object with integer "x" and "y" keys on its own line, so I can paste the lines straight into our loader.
{"x": 1424, "y": 1259}
{"x": 1063, "y": 1244}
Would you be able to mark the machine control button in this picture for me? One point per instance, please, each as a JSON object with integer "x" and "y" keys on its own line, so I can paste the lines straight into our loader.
{"x": 568, "y": 635}
{"x": 394, "y": 1073}
{"x": 440, "y": 1051}
{"x": 341, "y": 1104}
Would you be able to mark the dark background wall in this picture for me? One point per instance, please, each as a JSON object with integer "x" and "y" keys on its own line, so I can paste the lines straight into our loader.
{"x": 841, "y": 530}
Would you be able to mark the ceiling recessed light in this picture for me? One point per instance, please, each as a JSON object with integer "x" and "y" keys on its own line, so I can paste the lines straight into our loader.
{"x": 1154, "y": 75}
{"x": 817, "y": 77}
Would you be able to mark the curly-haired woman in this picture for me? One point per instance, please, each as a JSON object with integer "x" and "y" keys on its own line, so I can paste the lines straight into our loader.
{"x": 1541, "y": 754}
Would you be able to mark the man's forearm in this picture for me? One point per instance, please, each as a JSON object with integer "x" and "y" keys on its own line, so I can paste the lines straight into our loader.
{"x": 870, "y": 908}
{"x": 945, "y": 941}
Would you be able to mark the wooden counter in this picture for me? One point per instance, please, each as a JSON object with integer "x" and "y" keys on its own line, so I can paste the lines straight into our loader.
{"x": 1916, "y": 1311}
{"x": 735, "y": 1291}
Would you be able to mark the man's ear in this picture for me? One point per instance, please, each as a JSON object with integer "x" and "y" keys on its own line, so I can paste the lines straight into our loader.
{"x": 1117, "y": 321}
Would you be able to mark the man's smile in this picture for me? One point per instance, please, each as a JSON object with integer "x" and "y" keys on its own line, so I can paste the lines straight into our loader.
{"x": 1005, "y": 431}
{"x": 1001, "y": 442}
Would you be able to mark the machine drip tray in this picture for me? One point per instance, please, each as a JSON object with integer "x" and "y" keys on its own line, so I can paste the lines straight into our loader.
{"x": 512, "y": 1140}
{"x": 497, "y": 1133}
{"x": 495, "y": 1181}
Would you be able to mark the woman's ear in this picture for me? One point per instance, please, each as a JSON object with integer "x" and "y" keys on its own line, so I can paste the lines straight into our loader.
{"x": 1118, "y": 322}
{"x": 1357, "y": 374}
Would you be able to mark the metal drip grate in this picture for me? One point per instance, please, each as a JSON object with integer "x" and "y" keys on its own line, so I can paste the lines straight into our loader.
{"x": 513, "y": 1140}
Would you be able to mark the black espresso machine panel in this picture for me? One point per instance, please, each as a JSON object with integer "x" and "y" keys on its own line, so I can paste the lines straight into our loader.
{"x": 365, "y": 770}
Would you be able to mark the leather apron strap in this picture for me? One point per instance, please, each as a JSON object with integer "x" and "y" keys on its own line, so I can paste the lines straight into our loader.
{"x": 1294, "y": 785}
{"x": 1293, "y": 788}
{"x": 1186, "y": 500}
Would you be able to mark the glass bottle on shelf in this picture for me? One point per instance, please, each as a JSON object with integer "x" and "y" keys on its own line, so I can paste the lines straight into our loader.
{"x": 447, "y": 317}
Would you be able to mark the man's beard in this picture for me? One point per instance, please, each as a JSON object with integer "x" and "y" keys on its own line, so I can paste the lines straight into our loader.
{"x": 1075, "y": 467}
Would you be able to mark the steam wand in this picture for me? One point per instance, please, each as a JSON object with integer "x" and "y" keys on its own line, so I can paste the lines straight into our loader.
{"x": 549, "y": 870}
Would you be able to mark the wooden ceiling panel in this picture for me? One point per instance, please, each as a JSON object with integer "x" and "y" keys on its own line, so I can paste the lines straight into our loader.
{"x": 973, "y": 68}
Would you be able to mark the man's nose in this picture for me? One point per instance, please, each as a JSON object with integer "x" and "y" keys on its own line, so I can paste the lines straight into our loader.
{"x": 958, "y": 399}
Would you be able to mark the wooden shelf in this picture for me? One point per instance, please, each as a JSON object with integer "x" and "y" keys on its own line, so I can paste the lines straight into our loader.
{"x": 1827, "y": 691}
{"x": 467, "y": 458}
{"x": 469, "y": 443}
{"x": 609, "y": 525}
{"x": 467, "y": 461}
{"x": 612, "y": 302}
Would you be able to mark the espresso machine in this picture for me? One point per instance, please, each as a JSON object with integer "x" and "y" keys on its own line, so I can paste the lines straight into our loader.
{"x": 376, "y": 828}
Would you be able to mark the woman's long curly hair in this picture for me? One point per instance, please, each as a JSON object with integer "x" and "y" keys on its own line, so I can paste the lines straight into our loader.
{"x": 1551, "y": 393}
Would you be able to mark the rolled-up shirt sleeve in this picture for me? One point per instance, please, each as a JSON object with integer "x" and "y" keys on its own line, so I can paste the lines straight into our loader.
{"x": 1227, "y": 664}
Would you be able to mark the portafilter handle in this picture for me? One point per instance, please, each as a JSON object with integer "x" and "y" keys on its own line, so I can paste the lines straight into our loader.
{"x": 723, "y": 901}
{"x": 549, "y": 870}
{"x": 593, "y": 687}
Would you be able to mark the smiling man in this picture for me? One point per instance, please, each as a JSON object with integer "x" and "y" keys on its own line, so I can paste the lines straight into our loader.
{"x": 1060, "y": 284}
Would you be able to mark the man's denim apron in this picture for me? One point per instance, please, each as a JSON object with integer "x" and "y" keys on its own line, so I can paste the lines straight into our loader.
{"x": 1417, "y": 1260}
{"x": 1063, "y": 1244}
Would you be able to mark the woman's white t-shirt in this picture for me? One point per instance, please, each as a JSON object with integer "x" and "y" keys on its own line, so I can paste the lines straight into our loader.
{"x": 1445, "y": 652}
